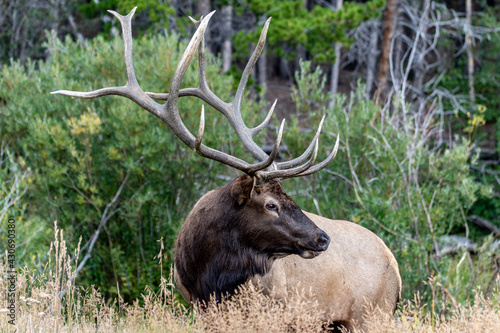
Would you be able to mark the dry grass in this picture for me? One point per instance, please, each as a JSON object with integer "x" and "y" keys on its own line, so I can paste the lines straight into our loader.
{"x": 49, "y": 302}
{"x": 251, "y": 311}
{"x": 482, "y": 316}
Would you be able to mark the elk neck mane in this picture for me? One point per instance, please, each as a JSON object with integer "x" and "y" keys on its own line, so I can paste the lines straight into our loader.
{"x": 218, "y": 259}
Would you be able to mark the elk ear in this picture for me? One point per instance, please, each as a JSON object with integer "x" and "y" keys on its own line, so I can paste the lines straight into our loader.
{"x": 241, "y": 189}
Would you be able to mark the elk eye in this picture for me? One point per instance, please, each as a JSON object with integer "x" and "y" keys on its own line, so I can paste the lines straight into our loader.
{"x": 271, "y": 206}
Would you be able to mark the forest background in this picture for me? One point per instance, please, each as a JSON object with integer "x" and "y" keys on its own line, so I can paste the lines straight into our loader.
{"x": 412, "y": 87}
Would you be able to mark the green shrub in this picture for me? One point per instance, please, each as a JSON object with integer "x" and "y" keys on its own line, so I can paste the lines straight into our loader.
{"x": 81, "y": 151}
{"x": 388, "y": 178}
{"x": 484, "y": 109}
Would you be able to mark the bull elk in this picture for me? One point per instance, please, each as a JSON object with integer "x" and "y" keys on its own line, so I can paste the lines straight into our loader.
{"x": 250, "y": 229}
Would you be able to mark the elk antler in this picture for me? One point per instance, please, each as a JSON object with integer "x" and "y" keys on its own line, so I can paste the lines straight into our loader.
{"x": 169, "y": 112}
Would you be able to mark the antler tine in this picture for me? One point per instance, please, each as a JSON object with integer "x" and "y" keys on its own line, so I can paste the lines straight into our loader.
{"x": 201, "y": 130}
{"x": 322, "y": 164}
{"x": 131, "y": 90}
{"x": 264, "y": 164}
{"x": 259, "y": 128}
{"x": 301, "y": 159}
{"x": 292, "y": 172}
{"x": 201, "y": 60}
{"x": 126, "y": 23}
{"x": 183, "y": 65}
{"x": 210, "y": 97}
{"x": 195, "y": 21}
{"x": 248, "y": 68}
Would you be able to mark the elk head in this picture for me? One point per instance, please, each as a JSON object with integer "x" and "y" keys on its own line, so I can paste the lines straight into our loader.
{"x": 270, "y": 222}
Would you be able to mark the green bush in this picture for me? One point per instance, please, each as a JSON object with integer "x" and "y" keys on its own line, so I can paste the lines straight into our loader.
{"x": 12, "y": 187}
{"x": 325, "y": 26}
{"x": 388, "y": 178}
{"x": 484, "y": 109}
{"x": 81, "y": 151}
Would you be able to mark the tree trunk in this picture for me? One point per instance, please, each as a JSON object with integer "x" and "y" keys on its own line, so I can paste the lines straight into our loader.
{"x": 397, "y": 56}
{"x": 227, "y": 46}
{"x": 300, "y": 52}
{"x": 372, "y": 60}
{"x": 54, "y": 12}
{"x": 470, "y": 56}
{"x": 419, "y": 59}
{"x": 284, "y": 68}
{"x": 389, "y": 27}
{"x": 3, "y": 14}
{"x": 334, "y": 80}
{"x": 203, "y": 8}
{"x": 15, "y": 40}
{"x": 262, "y": 68}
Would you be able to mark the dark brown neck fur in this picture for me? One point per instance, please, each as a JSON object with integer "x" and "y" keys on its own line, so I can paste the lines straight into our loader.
{"x": 213, "y": 260}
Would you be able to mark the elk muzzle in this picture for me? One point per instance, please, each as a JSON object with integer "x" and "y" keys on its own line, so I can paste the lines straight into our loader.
{"x": 314, "y": 248}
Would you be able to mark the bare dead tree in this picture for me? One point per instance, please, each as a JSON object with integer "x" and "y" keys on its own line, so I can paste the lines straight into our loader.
{"x": 110, "y": 210}
{"x": 372, "y": 58}
{"x": 485, "y": 224}
{"x": 468, "y": 43}
{"x": 418, "y": 69}
{"x": 421, "y": 65}
{"x": 416, "y": 102}
{"x": 364, "y": 52}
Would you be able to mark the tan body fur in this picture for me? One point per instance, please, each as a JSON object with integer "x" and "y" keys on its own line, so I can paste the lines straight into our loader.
{"x": 355, "y": 273}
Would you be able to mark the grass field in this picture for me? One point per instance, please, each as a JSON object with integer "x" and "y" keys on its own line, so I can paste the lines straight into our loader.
{"x": 50, "y": 302}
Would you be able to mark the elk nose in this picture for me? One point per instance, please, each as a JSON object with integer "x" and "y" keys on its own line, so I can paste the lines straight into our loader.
{"x": 323, "y": 241}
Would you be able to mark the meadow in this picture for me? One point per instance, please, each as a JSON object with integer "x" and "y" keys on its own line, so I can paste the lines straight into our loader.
{"x": 50, "y": 302}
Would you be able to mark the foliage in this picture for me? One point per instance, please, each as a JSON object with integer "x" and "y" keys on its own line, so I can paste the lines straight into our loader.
{"x": 23, "y": 24}
{"x": 325, "y": 26}
{"x": 152, "y": 15}
{"x": 309, "y": 93}
{"x": 81, "y": 151}
{"x": 485, "y": 108}
{"x": 487, "y": 68}
{"x": 394, "y": 183}
{"x": 12, "y": 187}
